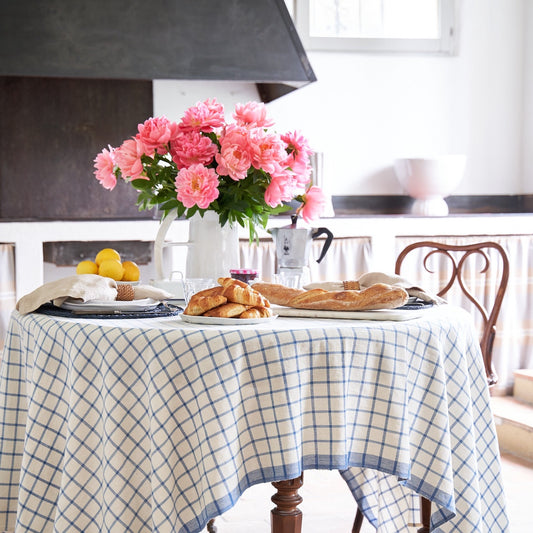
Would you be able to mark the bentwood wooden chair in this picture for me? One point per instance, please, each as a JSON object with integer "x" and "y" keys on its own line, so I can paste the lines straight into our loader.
{"x": 457, "y": 258}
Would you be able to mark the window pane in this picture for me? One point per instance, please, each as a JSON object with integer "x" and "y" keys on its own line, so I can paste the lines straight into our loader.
{"x": 333, "y": 18}
{"x": 413, "y": 19}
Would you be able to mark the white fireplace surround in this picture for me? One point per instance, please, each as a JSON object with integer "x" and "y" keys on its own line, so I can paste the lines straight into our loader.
{"x": 28, "y": 237}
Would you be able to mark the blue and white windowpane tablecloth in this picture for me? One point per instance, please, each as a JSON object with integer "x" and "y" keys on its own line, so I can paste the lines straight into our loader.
{"x": 157, "y": 425}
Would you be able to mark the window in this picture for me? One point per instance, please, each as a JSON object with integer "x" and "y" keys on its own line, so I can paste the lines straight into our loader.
{"x": 424, "y": 26}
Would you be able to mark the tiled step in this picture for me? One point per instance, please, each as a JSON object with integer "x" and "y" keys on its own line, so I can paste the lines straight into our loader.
{"x": 514, "y": 426}
{"x": 523, "y": 385}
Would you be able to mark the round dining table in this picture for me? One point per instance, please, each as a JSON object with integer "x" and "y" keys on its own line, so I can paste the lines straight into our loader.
{"x": 157, "y": 424}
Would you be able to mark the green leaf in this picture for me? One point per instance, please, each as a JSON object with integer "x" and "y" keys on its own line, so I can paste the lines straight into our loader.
{"x": 168, "y": 206}
{"x": 141, "y": 184}
{"x": 192, "y": 210}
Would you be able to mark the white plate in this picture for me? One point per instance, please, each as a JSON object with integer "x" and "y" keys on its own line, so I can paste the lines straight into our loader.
{"x": 215, "y": 320}
{"x": 115, "y": 305}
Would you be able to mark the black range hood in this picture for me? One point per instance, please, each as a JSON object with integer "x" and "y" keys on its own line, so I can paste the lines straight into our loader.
{"x": 233, "y": 40}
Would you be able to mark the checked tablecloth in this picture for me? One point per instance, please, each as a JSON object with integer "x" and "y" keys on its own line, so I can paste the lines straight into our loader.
{"x": 158, "y": 425}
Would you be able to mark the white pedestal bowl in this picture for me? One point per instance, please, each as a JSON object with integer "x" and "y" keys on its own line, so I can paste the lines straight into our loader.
{"x": 430, "y": 180}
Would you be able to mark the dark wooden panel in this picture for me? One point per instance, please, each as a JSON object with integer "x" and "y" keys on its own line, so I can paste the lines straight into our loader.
{"x": 70, "y": 253}
{"x": 512, "y": 203}
{"x": 400, "y": 205}
{"x": 155, "y": 39}
{"x": 371, "y": 204}
{"x": 51, "y": 131}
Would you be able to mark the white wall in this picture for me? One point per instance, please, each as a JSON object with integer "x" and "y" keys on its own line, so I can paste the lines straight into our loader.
{"x": 365, "y": 110}
{"x": 527, "y": 175}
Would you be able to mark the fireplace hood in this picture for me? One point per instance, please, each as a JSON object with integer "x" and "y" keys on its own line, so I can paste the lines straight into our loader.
{"x": 211, "y": 40}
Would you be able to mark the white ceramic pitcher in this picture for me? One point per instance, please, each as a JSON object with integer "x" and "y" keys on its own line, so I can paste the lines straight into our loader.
{"x": 212, "y": 250}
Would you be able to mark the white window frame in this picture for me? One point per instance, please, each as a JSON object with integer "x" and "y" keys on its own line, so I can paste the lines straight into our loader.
{"x": 445, "y": 44}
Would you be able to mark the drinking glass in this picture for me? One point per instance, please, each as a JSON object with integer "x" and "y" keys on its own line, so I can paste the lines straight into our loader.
{"x": 289, "y": 279}
{"x": 193, "y": 285}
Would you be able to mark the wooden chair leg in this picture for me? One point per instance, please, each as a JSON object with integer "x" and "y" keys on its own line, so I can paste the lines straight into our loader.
{"x": 425, "y": 515}
{"x": 286, "y": 517}
{"x": 358, "y": 522}
{"x": 211, "y": 528}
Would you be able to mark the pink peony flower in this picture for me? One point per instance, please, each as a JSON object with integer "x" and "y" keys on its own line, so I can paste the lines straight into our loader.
{"x": 104, "y": 163}
{"x": 298, "y": 151}
{"x": 204, "y": 116}
{"x": 268, "y": 151}
{"x": 303, "y": 177}
{"x": 280, "y": 189}
{"x": 197, "y": 185}
{"x": 234, "y": 158}
{"x": 128, "y": 159}
{"x": 192, "y": 147}
{"x": 156, "y": 133}
{"x": 252, "y": 115}
{"x": 314, "y": 204}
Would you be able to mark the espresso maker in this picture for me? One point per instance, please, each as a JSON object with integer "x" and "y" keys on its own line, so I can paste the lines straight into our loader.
{"x": 293, "y": 248}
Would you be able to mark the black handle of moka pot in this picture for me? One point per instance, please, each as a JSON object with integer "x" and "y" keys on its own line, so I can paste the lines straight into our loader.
{"x": 329, "y": 238}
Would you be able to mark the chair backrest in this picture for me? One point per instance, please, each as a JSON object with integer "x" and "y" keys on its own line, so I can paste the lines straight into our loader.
{"x": 457, "y": 256}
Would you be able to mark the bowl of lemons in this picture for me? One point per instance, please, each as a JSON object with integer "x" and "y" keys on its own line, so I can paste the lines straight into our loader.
{"x": 109, "y": 264}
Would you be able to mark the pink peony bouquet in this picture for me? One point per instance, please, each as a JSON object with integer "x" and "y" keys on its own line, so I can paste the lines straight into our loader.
{"x": 241, "y": 170}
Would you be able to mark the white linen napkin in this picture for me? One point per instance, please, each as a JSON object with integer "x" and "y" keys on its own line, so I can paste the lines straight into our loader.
{"x": 149, "y": 291}
{"x": 371, "y": 278}
{"x": 83, "y": 287}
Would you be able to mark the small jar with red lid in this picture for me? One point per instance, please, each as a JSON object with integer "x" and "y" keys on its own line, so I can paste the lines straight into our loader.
{"x": 244, "y": 274}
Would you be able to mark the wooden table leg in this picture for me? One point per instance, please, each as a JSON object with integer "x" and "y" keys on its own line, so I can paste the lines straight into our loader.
{"x": 286, "y": 517}
{"x": 425, "y": 515}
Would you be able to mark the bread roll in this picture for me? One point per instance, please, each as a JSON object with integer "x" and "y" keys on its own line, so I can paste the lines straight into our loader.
{"x": 253, "y": 312}
{"x": 212, "y": 291}
{"x": 198, "y": 305}
{"x": 257, "y": 312}
{"x": 227, "y": 282}
{"x": 265, "y": 312}
{"x": 239, "y": 292}
{"x": 227, "y": 310}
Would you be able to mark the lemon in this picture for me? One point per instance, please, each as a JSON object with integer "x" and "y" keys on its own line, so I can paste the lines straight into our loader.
{"x": 111, "y": 268}
{"x": 131, "y": 271}
{"x": 105, "y": 254}
{"x": 87, "y": 267}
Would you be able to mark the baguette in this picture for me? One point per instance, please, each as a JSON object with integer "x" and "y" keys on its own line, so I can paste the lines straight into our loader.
{"x": 277, "y": 294}
{"x": 377, "y": 296}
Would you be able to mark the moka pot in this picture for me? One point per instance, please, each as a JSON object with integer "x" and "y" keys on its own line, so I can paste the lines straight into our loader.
{"x": 293, "y": 244}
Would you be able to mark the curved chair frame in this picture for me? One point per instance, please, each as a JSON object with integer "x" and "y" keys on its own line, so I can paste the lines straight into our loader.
{"x": 489, "y": 316}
